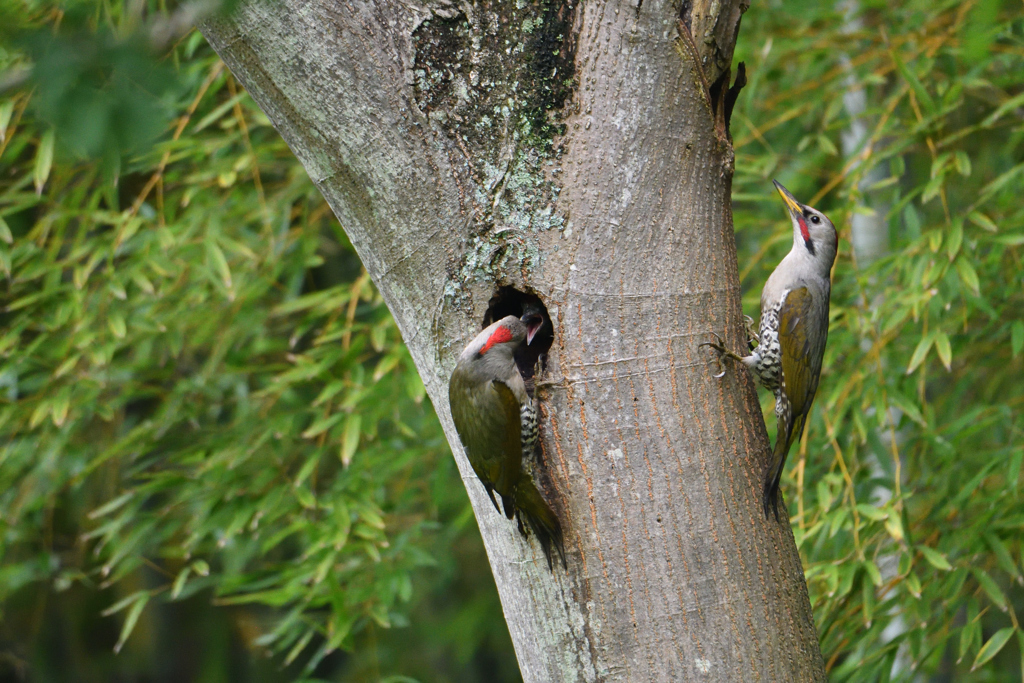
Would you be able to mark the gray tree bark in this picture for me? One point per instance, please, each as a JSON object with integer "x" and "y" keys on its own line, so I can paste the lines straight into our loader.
{"x": 576, "y": 151}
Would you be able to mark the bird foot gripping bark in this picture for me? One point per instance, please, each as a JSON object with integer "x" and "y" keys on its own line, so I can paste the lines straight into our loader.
{"x": 719, "y": 346}
{"x": 753, "y": 338}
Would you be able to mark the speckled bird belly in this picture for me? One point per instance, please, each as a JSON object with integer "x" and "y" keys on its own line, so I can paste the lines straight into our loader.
{"x": 767, "y": 363}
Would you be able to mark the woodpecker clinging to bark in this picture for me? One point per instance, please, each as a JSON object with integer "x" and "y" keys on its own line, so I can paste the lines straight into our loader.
{"x": 497, "y": 424}
{"x": 794, "y": 326}
{"x": 531, "y": 358}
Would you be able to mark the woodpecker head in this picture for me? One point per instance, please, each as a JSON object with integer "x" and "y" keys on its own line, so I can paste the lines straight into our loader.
{"x": 498, "y": 340}
{"x": 814, "y": 236}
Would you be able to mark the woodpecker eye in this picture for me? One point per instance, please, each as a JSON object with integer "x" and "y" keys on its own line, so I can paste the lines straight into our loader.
{"x": 815, "y": 219}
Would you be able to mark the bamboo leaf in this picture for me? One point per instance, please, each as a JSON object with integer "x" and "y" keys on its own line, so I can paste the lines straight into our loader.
{"x": 968, "y": 275}
{"x": 954, "y": 239}
{"x": 350, "y": 439}
{"x": 322, "y": 425}
{"x": 894, "y": 525}
{"x": 1002, "y": 554}
{"x": 299, "y": 647}
{"x": 219, "y": 263}
{"x": 6, "y": 110}
{"x": 386, "y": 365}
{"x": 5, "y": 232}
{"x": 179, "y": 582}
{"x": 920, "y": 352}
{"x": 305, "y": 497}
{"x": 44, "y": 161}
{"x": 117, "y": 325}
{"x": 982, "y": 221}
{"x": 923, "y": 97}
{"x": 1007, "y": 106}
{"x": 873, "y": 573}
{"x": 993, "y": 646}
{"x": 991, "y": 588}
{"x": 913, "y": 585}
{"x": 871, "y": 512}
{"x": 962, "y": 163}
{"x": 908, "y": 408}
{"x": 110, "y": 506}
{"x": 124, "y": 602}
{"x": 935, "y": 558}
{"x": 970, "y": 634}
{"x": 942, "y": 347}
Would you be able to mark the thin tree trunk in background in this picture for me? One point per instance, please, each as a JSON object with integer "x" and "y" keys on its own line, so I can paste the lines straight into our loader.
{"x": 571, "y": 150}
{"x": 869, "y": 231}
{"x": 869, "y": 235}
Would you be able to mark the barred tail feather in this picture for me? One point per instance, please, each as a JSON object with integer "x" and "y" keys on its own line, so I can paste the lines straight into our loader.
{"x": 773, "y": 478}
{"x": 789, "y": 432}
{"x": 532, "y": 507}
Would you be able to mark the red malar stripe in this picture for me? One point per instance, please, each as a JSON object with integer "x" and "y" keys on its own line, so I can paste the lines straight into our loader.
{"x": 803, "y": 228}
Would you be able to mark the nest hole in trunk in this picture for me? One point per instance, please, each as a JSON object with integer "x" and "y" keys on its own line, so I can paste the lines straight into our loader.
{"x": 510, "y": 301}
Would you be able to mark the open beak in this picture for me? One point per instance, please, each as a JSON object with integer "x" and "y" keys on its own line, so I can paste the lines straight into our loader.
{"x": 533, "y": 323}
{"x": 790, "y": 200}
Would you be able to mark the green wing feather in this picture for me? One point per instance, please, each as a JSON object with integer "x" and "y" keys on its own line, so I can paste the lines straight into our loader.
{"x": 801, "y": 367}
{"x": 488, "y": 420}
{"x": 486, "y": 416}
{"x": 507, "y": 468}
{"x": 801, "y": 357}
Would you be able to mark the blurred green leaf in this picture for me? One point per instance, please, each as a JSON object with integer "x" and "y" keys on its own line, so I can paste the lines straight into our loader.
{"x": 968, "y": 275}
{"x": 44, "y": 160}
{"x": 954, "y": 239}
{"x": 871, "y": 512}
{"x": 991, "y": 588}
{"x": 920, "y": 352}
{"x": 983, "y": 221}
{"x": 5, "y": 232}
{"x": 131, "y": 619}
{"x": 350, "y": 438}
{"x": 942, "y": 347}
{"x": 991, "y": 648}
{"x": 935, "y": 558}
{"x": 923, "y": 97}
{"x": 6, "y": 110}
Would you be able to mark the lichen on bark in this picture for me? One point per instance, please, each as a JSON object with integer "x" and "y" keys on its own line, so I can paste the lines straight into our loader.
{"x": 494, "y": 78}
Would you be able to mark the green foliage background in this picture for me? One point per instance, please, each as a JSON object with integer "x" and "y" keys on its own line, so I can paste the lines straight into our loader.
{"x": 212, "y": 434}
{"x": 905, "y": 494}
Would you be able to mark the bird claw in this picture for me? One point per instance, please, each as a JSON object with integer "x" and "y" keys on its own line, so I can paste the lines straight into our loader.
{"x": 752, "y": 333}
{"x": 719, "y": 346}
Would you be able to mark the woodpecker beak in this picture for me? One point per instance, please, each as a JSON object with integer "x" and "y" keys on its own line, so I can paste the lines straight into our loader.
{"x": 790, "y": 200}
{"x": 533, "y": 323}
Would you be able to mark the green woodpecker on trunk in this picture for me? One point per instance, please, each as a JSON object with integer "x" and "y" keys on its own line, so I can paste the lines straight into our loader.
{"x": 497, "y": 424}
{"x": 793, "y": 330}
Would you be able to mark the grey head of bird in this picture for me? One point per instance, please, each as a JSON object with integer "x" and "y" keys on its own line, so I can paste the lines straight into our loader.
{"x": 493, "y": 348}
{"x": 815, "y": 240}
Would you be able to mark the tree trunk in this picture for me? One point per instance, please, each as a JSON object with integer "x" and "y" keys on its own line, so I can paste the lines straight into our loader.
{"x": 572, "y": 150}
